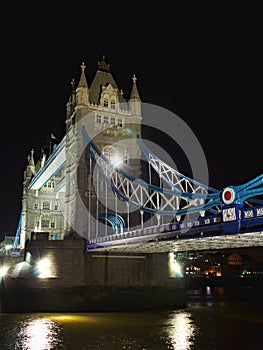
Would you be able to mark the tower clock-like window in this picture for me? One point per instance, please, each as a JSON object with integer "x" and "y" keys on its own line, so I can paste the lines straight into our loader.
{"x": 44, "y": 223}
{"x": 46, "y": 205}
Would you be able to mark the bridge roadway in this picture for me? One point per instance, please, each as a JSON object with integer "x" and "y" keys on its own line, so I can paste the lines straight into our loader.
{"x": 156, "y": 244}
{"x": 206, "y": 233}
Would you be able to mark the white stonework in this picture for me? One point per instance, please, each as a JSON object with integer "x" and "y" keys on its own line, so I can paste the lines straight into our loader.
{"x": 115, "y": 123}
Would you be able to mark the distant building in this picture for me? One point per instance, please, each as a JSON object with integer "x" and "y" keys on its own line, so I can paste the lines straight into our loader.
{"x": 221, "y": 264}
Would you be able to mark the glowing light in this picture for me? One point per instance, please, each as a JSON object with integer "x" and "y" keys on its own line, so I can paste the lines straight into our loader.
{"x": 71, "y": 318}
{"x": 116, "y": 160}
{"x": 208, "y": 290}
{"x": 39, "y": 334}
{"x": 181, "y": 331}
{"x": 44, "y": 268}
{"x": 3, "y": 271}
{"x": 175, "y": 269}
{"x": 22, "y": 268}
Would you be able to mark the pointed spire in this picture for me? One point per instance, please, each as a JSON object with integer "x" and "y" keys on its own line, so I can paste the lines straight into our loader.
{"x": 83, "y": 81}
{"x": 30, "y": 169}
{"x": 134, "y": 96}
{"x": 30, "y": 158}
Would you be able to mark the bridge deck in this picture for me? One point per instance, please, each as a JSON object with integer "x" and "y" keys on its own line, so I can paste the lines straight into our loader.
{"x": 158, "y": 244}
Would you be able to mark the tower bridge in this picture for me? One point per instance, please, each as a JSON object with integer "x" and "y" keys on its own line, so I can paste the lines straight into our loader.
{"x": 80, "y": 190}
{"x": 99, "y": 231}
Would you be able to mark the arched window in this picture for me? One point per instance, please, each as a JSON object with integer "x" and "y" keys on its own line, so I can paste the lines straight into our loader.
{"x": 109, "y": 152}
{"x": 112, "y": 104}
{"x": 45, "y": 223}
{"x": 46, "y": 205}
{"x": 106, "y": 102}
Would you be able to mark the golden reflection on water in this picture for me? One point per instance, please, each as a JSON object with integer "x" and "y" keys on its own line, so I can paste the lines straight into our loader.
{"x": 72, "y": 318}
{"x": 38, "y": 334}
{"x": 175, "y": 331}
{"x": 181, "y": 331}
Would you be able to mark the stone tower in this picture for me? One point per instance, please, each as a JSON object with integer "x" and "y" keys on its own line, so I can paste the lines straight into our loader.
{"x": 112, "y": 122}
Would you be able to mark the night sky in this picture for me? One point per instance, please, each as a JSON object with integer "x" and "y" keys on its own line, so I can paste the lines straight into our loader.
{"x": 205, "y": 66}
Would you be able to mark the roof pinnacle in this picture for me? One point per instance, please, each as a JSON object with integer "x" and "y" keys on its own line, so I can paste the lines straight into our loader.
{"x": 134, "y": 96}
{"x": 103, "y": 65}
{"x": 83, "y": 82}
{"x": 83, "y": 66}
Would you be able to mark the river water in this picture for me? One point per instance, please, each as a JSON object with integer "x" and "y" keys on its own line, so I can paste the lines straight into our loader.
{"x": 206, "y": 323}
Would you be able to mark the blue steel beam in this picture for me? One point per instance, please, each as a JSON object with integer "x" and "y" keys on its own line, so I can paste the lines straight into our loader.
{"x": 54, "y": 163}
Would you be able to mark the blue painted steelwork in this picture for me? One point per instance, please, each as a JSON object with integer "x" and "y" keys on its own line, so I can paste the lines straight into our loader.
{"x": 51, "y": 160}
{"x": 249, "y": 190}
{"x": 248, "y": 220}
{"x": 232, "y": 210}
{"x": 210, "y": 201}
{"x": 98, "y": 157}
{"x": 18, "y": 231}
{"x": 115, "y": 220}
{"x": 153, "y": 159}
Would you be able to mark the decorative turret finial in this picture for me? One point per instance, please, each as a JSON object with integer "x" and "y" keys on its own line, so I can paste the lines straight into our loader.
{"x": 134, "y": 96}
{"x": 103, "y": 65}
{"x": 72, "y": 83}
{"x": 30, "y": 158}
{"x": 83, "y": 66}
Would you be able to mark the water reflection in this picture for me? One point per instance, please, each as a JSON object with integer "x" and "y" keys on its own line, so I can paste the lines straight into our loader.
{"x": 207, "y": 324}
{"x": 181, "y": 331}
{"x": 38, "y": 334}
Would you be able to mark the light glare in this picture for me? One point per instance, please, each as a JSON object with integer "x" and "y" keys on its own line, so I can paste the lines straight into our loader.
{"x": 44, "y": 268}
{"x": 116, "y": 160}
{"x": 3, "y": 271}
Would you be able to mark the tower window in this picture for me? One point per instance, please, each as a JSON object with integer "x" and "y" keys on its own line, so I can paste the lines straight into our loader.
{"x": 98, "y": 119}
{"x": 120, "y": 123}
{"x": 52, "y": 224}
{"x": 112, "y": 104}
{"x": 46, "y": 205}
{"x": 109, "y": 152}
{"x": 106, "y": 120}
{"x": 44, "y": 223}
{"x": 106, "y": 103}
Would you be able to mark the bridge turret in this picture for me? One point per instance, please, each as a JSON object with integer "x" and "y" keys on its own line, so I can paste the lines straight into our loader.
{"x": 30, "y": 169}
{"x": 135, "y": 100}
{"x": 82, "y": 91}
{"x": 70, "y": 106}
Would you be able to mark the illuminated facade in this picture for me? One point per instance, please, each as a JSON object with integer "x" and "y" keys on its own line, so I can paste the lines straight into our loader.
{"x": 53, "y": 205}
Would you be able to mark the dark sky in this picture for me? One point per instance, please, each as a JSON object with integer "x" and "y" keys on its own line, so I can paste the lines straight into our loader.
{"x": 204, "y": 64}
